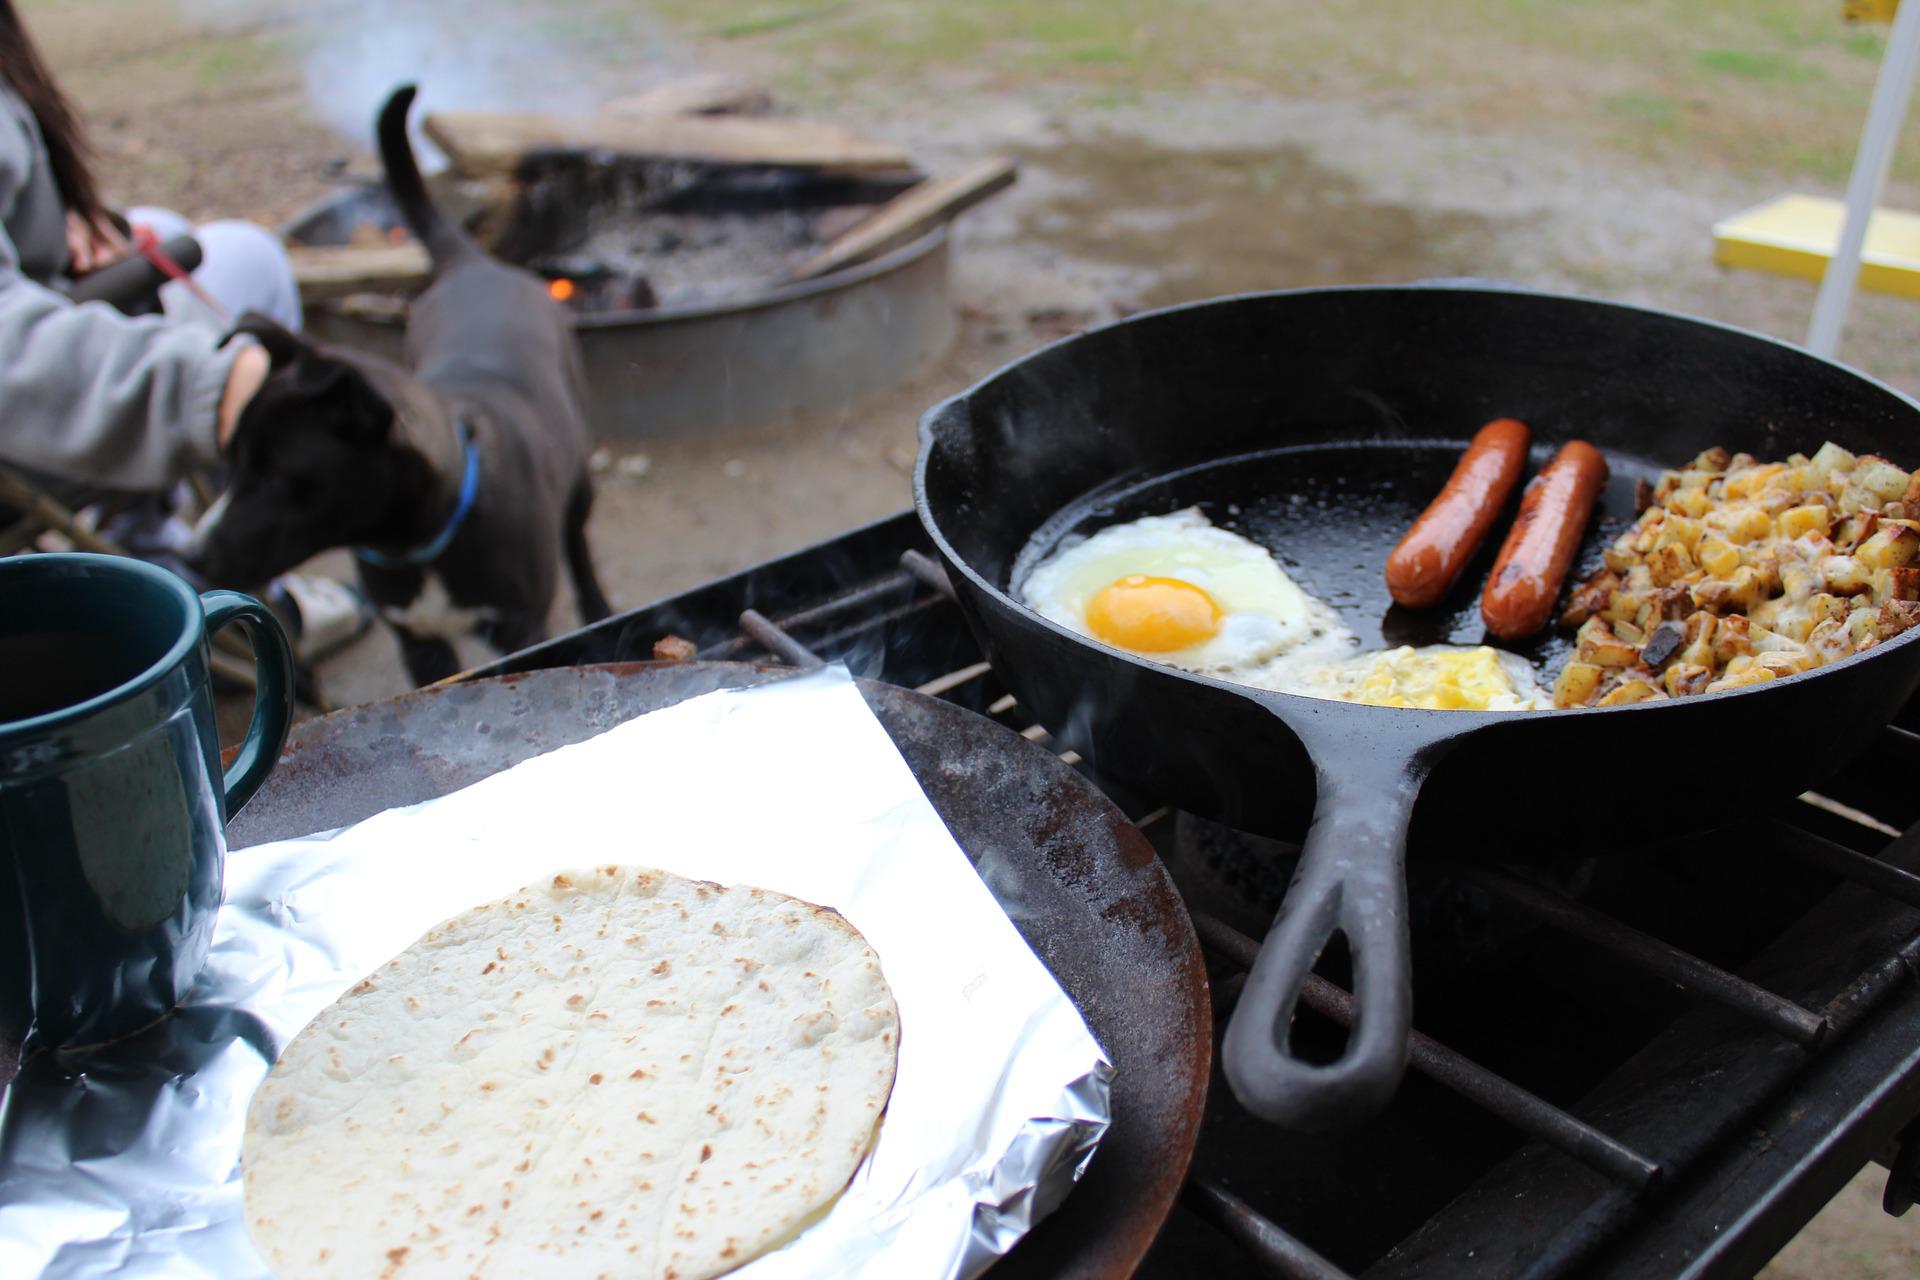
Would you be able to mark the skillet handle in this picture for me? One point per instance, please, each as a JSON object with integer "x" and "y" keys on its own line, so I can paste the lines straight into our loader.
{"x": 1351, "y": 880}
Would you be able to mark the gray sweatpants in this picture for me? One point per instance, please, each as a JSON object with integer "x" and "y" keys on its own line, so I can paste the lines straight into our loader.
{"x": 243, "y": 267}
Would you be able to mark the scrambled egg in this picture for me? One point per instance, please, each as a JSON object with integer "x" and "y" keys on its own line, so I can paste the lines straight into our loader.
{"x": 1443, "y": 678}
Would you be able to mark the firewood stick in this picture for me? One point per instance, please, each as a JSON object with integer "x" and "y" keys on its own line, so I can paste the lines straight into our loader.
{"x": 912, "y": 213}
{"x": 484, "y": 144}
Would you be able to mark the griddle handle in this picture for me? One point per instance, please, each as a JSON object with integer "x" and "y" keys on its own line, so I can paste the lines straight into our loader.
{"x": 1351, "y": 880}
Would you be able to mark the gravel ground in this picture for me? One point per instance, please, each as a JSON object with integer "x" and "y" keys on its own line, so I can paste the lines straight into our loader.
{"x": 1583, "y": 147}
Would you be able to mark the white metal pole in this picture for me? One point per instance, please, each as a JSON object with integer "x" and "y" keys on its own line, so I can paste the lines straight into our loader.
{"x": 1870, "y": 164}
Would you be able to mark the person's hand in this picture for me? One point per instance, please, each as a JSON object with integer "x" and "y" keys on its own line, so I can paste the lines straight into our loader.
{"x": 91, "y": 246}
{"x": 249, "y": 369}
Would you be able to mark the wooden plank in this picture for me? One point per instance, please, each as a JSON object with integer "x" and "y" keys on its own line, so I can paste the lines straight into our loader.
{"x": 487, "y": 143}
{"x": 325, "y": 272}
{"x": 705, "y": 93}
{"x": 913, "y": 213}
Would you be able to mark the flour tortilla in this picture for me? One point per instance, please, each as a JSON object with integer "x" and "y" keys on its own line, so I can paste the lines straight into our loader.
{"x": 612, "y": 1072}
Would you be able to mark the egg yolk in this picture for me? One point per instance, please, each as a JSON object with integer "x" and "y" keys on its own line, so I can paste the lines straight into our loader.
{"x": 1152, "y": 615}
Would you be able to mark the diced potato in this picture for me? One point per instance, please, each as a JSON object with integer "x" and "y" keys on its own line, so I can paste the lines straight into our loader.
{"x": 1730, "y": 639}
{"x": 1735, "y": 680}
{"x": 1631, "y": 691}
{"x": 1692, "y": 503}
{"x": 1670, "y": 565}
{"x": 1714, "y": 459}
{"x": 1793, "y": 622}
{"x": 1714, "y": 595}
{"x": 1678, "y": 531}
{"x": 1795, "y": 521}
{"x": 1855, "y": 500}
{"x": 1623, "y": 605}
{"x": 1749, "y": 481}
{"x": 1830, "y": 640}
{"x": 1589, "y": 597}
{"x": 1831, "y": 457}
{"x": 1798, "y": 580}
{"x": 1863, "y": 627}
{"x": 1749, "y": 586}
{"x": 1666, "y": 604}
{"x": 1845, "y": 575}
{"x": 1718, "y": 556}
{"x": 1618, "y": 558}
{"x": 1824, "y": 607}
{"x": 1784, "y": 664}
{"x": 1684, "y": 679}
{"x": 1850, "y": 532}
{"x": 1578, "y": 683}
{"x": 1767, "y": 640}
{"x": 1600, "y": 646}
{"x": 1881, "y": 478}
{"x": 1894, "y": 545}
{"x": 1700, "y": 628}
{"x": 1896, "y": 616}
{"x": 1740, "y": 522}
{"x": 1895, "y": 584}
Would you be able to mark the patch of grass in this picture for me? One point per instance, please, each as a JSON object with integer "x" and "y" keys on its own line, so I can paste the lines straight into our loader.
{"x": 1757, "y": 64}
{"x": 223, "y": 61}
{"x": 1864, "y": 44}
{"x": 1828, "y": 164}
{"x": 772, "y": 20}
{"x": 1656, "y": 109}
{"x": 1100, "y": 51}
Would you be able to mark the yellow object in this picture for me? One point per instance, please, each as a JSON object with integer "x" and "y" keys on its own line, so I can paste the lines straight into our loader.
{"x": 1464, "y": 680}
{"x": 1868, "y": 10}
{"x": 1152, "y": 615}
{"x": 1794, "y": 235}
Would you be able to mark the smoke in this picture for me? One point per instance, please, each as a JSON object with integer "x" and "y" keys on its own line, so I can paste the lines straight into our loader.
{"x": 479, "y": 55}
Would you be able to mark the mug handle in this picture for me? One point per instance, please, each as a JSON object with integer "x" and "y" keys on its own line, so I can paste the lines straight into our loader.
{"x": 272, "y": 699}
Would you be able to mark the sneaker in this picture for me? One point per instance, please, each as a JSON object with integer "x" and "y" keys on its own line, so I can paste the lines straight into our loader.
{"x": 322, "y": 614}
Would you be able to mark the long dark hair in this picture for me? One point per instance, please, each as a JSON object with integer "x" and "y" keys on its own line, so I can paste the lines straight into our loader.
{"x": 67, "y": 151}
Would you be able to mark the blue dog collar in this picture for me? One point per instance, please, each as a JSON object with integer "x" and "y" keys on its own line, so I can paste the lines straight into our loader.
{"x": 434, "y": 548}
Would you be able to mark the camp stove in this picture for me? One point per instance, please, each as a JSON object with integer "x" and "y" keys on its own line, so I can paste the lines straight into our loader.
{"x": 1657, "y": 1063}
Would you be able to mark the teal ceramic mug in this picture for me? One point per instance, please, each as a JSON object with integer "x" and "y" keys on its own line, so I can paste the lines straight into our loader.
{"x": 113, "y": 803}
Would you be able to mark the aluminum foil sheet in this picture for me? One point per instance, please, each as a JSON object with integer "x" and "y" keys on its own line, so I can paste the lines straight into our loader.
{"x": 126, "y": 1161}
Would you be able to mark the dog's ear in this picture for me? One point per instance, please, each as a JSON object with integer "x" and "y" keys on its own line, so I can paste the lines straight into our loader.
{"x": 355, "y": 406}
{"x": 280, "y": 343}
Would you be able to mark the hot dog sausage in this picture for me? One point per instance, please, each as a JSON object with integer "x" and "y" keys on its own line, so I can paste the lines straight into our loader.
{"x": 1539, "y": 548}
{"x": 1424, "y": 567}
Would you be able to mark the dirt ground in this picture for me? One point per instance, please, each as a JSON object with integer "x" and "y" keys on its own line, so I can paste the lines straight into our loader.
{"x": 1169, "y": 153}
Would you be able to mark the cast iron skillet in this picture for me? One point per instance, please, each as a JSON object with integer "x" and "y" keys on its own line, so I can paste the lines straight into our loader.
{"x": 1319, "y": 423}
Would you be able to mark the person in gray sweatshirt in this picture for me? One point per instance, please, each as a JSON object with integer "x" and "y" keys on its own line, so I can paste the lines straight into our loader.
{"x": 87, "y": 394}
{"x": 93, "y": 400}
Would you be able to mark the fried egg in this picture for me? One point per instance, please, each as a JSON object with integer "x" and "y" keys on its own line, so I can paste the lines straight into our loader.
{"x": 1439, "y": 677}
{"x": 1176, "y": 589}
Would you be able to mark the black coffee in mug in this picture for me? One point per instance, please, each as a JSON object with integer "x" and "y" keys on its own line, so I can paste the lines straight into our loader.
{"x": 113, "y": 804}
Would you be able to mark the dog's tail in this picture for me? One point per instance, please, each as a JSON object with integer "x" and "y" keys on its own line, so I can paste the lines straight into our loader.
{"x": 444, "y": 241}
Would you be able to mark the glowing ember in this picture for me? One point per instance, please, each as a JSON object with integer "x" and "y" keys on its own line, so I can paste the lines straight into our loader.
{"x": 561, "y": 289}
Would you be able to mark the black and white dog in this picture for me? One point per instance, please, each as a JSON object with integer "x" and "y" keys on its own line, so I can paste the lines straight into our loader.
{"x": 462, "y": 482}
